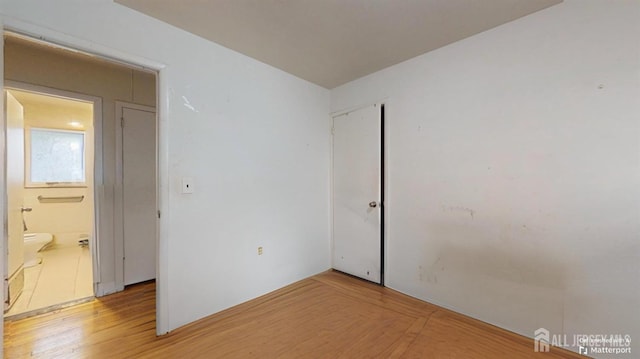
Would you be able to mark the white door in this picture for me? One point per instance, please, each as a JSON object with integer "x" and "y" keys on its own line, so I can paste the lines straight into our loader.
{"x": 139, "y": 193}
{"x": 14, "y": 275}
{"x": 357, "y": 209}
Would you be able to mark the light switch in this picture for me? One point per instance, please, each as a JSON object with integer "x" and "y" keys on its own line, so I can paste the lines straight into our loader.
{"x": 187, "y": 185}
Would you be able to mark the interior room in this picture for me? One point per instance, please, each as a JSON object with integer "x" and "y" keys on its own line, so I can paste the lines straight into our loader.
{"x": 58, "y": 198}
{"x": 502, "y": 185}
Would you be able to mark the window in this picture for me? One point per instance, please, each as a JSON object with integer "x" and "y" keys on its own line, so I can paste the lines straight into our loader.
{"x": 56, "y": 158}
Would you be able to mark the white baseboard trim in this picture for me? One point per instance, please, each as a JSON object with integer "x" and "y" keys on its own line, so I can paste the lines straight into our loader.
{"x": 103, "y": 289}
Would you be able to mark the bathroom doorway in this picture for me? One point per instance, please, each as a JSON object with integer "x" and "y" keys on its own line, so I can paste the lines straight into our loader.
{"x": 50, "y": 161}
{"x": 39, "y": 67}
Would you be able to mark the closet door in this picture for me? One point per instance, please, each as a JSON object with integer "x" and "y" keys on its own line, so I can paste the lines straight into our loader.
{"x": 139, "y": 193}
{"x": 357, "y": 193}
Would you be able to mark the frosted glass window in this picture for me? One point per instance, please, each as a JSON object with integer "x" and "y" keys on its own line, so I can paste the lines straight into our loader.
{"x": 56, "y": 156}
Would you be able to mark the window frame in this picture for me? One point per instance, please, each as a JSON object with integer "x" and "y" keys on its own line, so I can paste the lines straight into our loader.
{"x": 27, "y": 163}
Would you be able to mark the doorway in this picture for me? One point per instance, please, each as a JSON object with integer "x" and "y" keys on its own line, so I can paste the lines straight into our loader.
{"x": 45, "y": 65}
{"x": 358, "y": 193}
{"x": 50, "y": 197}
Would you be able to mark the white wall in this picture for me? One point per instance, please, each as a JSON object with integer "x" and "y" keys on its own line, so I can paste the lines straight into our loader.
{"x": 254, "y": 139}
{"x": 514, "y": 171}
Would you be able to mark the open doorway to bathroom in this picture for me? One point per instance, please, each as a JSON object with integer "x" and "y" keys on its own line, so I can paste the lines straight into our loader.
{"x": 33, "y": 67}
{"x": 50, "y": 164}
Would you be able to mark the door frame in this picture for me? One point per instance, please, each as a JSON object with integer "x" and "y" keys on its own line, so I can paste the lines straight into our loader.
{"x": 119, "y": 188}
{"x": 72, "y": 43}
{"x": 10, "y": 274}
{"x": 98, "y": 169}
{"x": 384, "y": 182}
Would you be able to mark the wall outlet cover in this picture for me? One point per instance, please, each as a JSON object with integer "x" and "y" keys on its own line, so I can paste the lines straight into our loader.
{"x": 187, "y": 185}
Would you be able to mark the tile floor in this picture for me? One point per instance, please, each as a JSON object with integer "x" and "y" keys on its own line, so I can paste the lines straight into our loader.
{"x": 65, "y": 275}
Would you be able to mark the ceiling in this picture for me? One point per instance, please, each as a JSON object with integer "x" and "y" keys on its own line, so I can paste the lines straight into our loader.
{"x": 27, "y": 98}
{"x": 61, "y": 112}
{"x": 332, "y": 42}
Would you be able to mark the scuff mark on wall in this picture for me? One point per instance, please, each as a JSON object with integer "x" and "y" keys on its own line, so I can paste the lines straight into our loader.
{"x": 465, "y": 259}
{"x": 425, "y": 275}
{"x": 470, "y": 211}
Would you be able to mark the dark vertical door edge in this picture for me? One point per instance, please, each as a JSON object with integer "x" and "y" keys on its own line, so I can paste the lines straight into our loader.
{"x": 382, "y": 199}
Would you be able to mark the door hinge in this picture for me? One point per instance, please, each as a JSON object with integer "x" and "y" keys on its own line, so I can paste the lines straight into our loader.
{"x": 121, "y": 121}
{"x": 333, "y": 130}
{"x": 158, "y": 214}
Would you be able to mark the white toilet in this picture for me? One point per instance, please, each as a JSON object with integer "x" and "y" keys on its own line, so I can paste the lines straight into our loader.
{"x": 33, "y": 243}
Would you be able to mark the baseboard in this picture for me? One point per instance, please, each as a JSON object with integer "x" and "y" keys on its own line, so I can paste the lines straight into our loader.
{"x": 107, "y": 288}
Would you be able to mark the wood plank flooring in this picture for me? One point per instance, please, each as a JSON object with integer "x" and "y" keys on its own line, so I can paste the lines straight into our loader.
{"x": 330, "y": 315}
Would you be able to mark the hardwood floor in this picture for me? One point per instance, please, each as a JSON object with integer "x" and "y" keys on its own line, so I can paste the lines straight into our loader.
{"x": 330, "y": 315}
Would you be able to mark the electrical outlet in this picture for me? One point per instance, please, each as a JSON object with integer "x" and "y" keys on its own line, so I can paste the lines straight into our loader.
{"x": 259, "y": 251}
{"x": 187, "y": 185}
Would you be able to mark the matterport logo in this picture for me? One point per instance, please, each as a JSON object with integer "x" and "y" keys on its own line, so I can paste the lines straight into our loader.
{"x": 585, "y": 343}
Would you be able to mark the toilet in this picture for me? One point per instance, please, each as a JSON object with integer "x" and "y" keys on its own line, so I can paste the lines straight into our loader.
{"x": 33, "y": 243}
